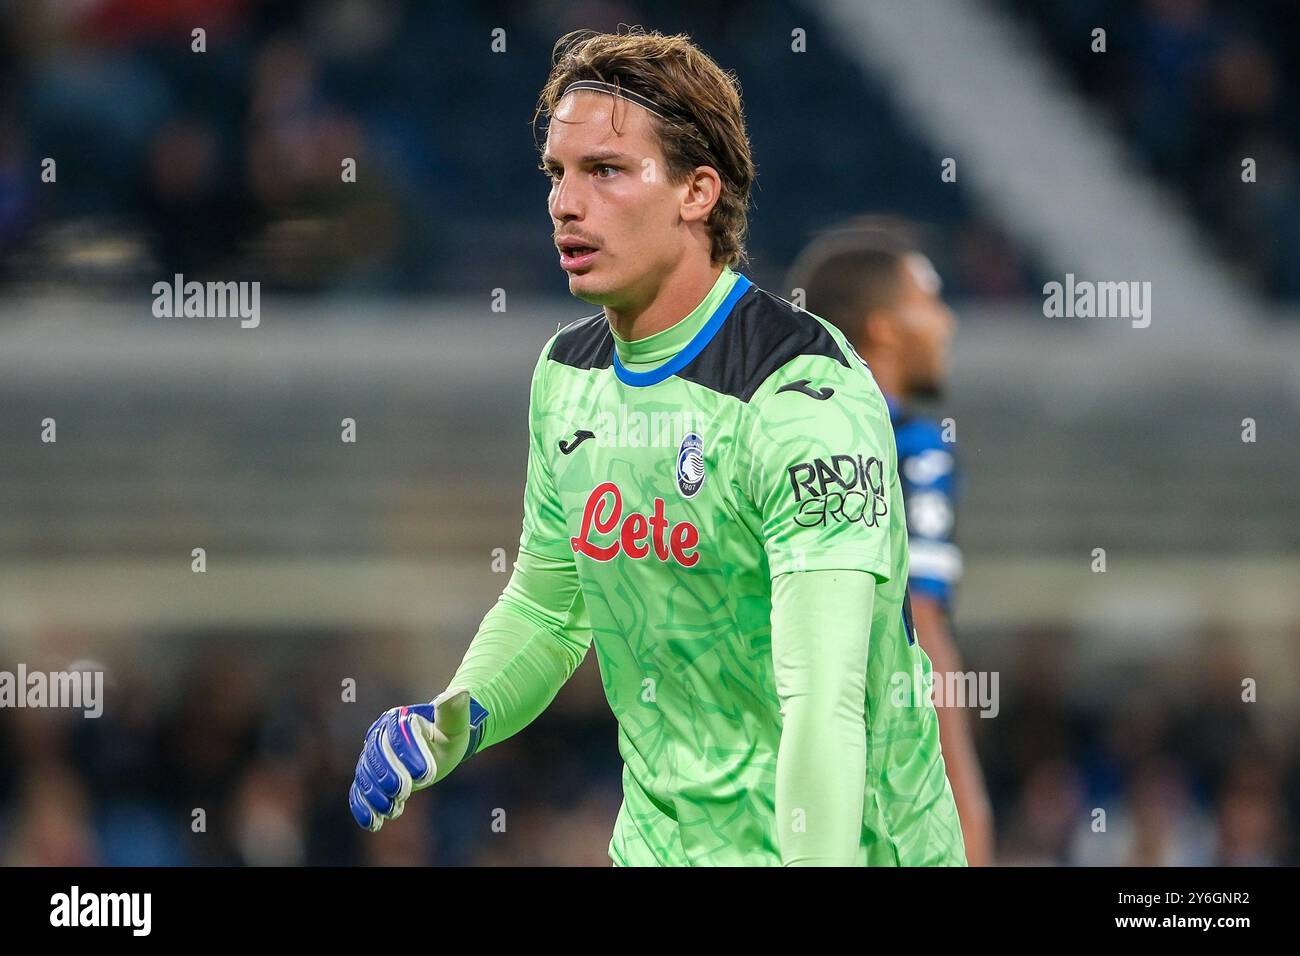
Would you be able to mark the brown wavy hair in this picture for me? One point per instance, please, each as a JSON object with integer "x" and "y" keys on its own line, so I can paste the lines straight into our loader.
{"x": 704, "y": 122}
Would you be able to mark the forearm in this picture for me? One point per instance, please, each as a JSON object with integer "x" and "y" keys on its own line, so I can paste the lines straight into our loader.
{"x": 821, "y": 623}
{"x": 959, "y": 755}
{"x": 967, "y": 782}
{"x": 528, "y": 645}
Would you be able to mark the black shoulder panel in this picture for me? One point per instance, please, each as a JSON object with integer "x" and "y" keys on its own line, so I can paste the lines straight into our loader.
{"x": 586, "y": 343}
{"x": 761, "y": 335}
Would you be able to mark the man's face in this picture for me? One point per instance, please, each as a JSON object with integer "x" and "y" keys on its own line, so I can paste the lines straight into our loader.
{"x": 613, "y": 211}
{"x": 925, "y": 325}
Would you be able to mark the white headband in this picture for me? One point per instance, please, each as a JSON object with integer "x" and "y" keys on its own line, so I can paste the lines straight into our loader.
{"x": 612, "y": 90}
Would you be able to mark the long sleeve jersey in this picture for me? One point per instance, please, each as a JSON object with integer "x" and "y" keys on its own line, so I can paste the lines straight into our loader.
{"x": 716, "y": 510}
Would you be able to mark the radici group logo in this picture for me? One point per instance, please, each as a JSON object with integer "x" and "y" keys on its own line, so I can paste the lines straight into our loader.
{"x": 840, "y": 488}
{"x": 690, "y": 465}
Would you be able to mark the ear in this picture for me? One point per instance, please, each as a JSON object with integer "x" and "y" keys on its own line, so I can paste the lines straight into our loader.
{"x": 703, "y": 189}
{"x": 880, "y": 330}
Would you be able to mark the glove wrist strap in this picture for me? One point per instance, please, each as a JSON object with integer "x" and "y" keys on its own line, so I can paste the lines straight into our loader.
{"x": 477, "y": 726}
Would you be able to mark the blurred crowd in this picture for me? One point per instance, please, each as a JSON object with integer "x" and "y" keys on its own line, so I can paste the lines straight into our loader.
{"x": 1198, "y": 86}
{"x": 1148, "y": 760}
{"x": 235, "y": 757}
{"x": 264, "y": 745}
{"x": 229, "y": 163}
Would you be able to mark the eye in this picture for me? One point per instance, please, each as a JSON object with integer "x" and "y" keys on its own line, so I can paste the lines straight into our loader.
{"x": 600, "y": 171}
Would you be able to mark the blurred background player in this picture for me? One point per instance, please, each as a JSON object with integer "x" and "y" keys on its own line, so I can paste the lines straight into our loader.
{"x": 872, "y": 281}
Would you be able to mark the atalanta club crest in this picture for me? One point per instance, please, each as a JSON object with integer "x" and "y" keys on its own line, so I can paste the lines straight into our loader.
{"x": 690, "y": 465}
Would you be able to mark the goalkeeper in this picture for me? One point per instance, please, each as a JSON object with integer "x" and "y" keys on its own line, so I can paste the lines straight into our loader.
{"x": 741, "y": 570}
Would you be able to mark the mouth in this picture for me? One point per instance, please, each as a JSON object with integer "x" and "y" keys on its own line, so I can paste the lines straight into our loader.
{"x": 575, "y": 258}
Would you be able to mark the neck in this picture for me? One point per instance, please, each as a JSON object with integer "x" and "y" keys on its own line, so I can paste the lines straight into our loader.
{"x": 667, "y": 303}
{"x": 886, "y": 371}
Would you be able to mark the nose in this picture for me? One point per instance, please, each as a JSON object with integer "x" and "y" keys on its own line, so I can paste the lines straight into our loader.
{"x": 565, "y": 203}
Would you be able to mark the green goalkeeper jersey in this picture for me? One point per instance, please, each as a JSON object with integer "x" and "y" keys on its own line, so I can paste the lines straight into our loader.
{"x": 716, "y": 510}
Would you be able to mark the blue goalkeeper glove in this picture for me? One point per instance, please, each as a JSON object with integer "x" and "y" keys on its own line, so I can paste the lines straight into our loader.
{"x": 410, "y": 748}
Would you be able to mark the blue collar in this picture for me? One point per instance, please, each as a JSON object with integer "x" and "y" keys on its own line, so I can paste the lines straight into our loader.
{"x": 895, "y": 406}
{"x": 691, "y": 350}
